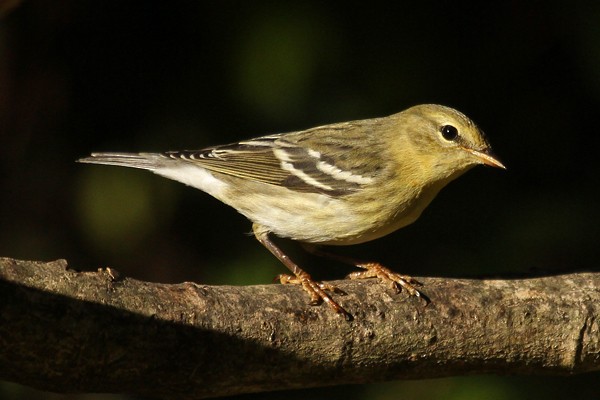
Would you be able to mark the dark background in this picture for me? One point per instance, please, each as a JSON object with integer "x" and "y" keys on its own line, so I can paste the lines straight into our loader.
{"x": 82, "y": 76}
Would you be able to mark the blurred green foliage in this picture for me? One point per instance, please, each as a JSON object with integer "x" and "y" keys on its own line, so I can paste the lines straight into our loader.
{"x": 82, "y": 76}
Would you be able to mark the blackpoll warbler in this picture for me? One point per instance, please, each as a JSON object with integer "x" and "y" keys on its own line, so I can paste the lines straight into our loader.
{"x": 337, "y": 184}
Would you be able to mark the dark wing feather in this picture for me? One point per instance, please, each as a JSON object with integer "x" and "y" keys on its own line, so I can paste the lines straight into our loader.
{"x": 242, "y": 160}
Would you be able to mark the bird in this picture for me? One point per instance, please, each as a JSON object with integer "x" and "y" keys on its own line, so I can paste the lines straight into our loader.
{"x": 337, "y": 184}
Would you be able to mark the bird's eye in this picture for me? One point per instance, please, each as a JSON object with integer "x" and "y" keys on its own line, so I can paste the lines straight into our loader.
{"x": 449, "y": 132}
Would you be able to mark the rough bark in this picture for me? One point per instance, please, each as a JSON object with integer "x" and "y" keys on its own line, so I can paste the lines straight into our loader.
{"x": 65, "y": 331}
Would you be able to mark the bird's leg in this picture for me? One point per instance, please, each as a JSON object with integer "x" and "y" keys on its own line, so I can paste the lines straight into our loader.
{"x": 373, "y": 270}
{"x": 316, "y": 290}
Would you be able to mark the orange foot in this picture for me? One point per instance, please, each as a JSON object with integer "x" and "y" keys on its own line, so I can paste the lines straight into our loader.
{"x": 395, "y": 280}
{"x": 316, "y": 291}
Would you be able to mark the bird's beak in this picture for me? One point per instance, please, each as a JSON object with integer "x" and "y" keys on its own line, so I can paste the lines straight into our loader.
{"x": 486, "y": 157}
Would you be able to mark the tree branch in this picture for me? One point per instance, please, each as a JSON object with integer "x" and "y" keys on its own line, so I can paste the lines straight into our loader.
{"x": 65, "y": 331}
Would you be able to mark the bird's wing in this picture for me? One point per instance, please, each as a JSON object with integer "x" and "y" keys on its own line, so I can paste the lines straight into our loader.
{"x": 281, "y": 160}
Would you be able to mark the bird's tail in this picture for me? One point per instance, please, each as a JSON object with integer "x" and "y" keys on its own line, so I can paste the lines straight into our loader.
{"x": 148, "y": 161}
